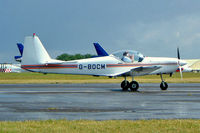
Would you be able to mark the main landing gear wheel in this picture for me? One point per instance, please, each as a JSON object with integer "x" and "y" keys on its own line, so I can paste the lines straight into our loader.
{"x": 163, "y": 85}
{"x": 125, "y": 85}
{"x": 134, "y": 86}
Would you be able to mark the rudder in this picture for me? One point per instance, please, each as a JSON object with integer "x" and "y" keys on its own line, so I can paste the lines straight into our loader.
{"x": 34, "y": 51}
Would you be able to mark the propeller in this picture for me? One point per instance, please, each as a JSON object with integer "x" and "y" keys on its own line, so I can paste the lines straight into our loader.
{"x": 179, "y": 65}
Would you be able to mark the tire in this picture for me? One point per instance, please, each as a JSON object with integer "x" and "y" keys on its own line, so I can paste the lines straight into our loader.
{"x": 163, "y": 85}
{"x": 125, "y": 85}
{"x": 134, "y": 86}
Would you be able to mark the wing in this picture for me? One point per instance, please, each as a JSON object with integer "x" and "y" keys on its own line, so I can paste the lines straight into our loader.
{"x": 139, "y": 71}
{"x": 146, "y": 69}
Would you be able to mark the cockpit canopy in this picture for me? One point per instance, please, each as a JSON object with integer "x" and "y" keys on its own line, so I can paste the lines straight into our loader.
{"x": 129, "y": 56}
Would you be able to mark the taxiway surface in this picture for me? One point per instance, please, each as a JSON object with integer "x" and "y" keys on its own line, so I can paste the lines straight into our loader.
{"x": 98, "y": 102}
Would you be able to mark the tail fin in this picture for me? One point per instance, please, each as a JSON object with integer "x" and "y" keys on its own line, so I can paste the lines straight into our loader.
{"x": 21, "y": 48}
{"x": 34, "y": 51}
{"x": 100, "y": 51}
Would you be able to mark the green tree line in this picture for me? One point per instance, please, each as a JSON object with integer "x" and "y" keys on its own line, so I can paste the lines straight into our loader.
{"x": 67, "y": 57}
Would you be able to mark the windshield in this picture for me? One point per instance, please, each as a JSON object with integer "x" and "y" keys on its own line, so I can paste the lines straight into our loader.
{"x": 129, "y": 56}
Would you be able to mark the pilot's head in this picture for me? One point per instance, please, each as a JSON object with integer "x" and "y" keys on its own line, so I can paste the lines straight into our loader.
{"x": 125, "y": 53}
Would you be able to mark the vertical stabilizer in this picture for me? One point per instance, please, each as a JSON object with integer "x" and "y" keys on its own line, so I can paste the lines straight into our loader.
{"x": 100, "y": 51}
{"x": 34, "y": 51}
{"x": 21, "y": 49}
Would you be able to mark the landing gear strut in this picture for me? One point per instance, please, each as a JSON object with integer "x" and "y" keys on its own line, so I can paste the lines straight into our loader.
{"x": 163, "y": 84}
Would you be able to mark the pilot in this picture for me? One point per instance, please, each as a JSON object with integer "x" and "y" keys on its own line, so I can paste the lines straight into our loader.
{"x": 126, "y": 57}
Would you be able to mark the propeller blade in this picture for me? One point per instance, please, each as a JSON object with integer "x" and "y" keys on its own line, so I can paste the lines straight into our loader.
{"x": 181, "y": 73}
{"x": 179, "y": 66}
{"x": 178, "y": 54}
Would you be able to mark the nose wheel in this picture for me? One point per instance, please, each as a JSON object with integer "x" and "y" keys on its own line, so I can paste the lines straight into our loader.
{"x": 163, "y": 84}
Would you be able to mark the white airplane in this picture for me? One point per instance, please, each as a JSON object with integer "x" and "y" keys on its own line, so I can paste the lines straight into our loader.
{"x": 10, "y": 68}
{"x": 36, "y": 59}
{"x": 13, "y": 68}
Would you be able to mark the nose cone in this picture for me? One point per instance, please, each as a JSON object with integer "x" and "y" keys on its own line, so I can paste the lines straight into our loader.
{"x": 182, "y": 62}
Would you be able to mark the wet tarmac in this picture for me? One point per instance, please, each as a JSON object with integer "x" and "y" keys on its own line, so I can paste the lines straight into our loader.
{"x": 98, "y": 102}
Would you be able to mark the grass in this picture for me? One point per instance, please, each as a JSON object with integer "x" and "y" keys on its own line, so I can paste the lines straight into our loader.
{"x": 110, "y": 126}
{"x": 32, "y": 78}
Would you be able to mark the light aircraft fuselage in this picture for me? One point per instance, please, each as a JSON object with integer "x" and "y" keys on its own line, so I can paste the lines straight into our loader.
{"x": 105, "y": 66}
